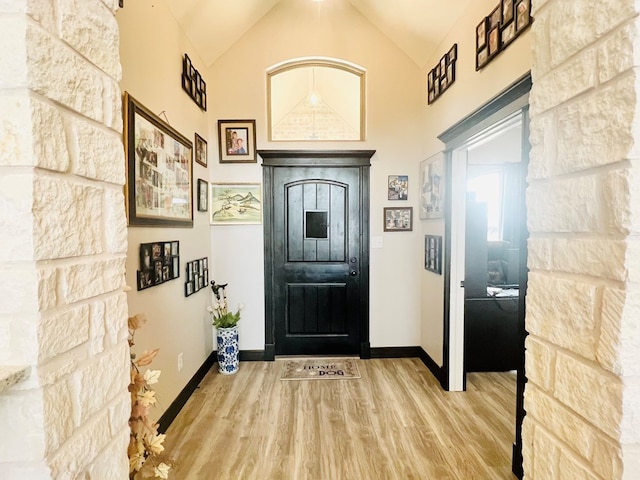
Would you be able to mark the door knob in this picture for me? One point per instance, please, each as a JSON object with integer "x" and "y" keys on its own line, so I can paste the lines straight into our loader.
{"x": 353, "y": 273}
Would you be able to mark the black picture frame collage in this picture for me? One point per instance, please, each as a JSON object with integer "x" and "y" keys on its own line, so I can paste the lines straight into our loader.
{"x": 498, "y": 30}
{"x": 433, "y": 253}
{"x": 197, "y": 276}
{"x": 193, "y": 83}
{"x": 442, "y": 76}
{"x": 159, "y": 263}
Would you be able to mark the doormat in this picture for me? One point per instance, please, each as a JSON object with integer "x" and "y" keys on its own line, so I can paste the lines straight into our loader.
{"x": 320, "y": 369}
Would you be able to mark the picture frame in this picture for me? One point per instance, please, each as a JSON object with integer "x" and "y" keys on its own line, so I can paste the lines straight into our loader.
{"x": 442, "y": 76}
{"x": 203, "y": 195}
{"x": 193, "y": 83}
{"x": 508, "y": 34}
{"x": 159, "y": 263}
{"x": 433, "y": 253}
{"x": 200, "y": 150}
{"x": 235, "y": 204}
{"x": 507, "y": 11}
{"x": 398, "y": 219}
{"x": 494, "y": 18}
{"x": 522, "y": 15}
{"x": 494, "y": 42}
{"x": 398, "y": 187}
{"x": 197, "y": 276}
{"x": 237, "y": 141}
{"x": 481, "y": 34}
{"x": 432, "y": 183}
{"x": 159, "y": 185}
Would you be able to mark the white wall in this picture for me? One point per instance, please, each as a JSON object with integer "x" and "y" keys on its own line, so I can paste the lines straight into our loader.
{"x": 470, "y": 91}
{"x": 152, "y": 47}
{"x": 394, "y": 107}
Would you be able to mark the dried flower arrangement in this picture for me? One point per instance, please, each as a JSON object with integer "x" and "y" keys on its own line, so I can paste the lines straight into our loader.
{"x": 144, "y": 440}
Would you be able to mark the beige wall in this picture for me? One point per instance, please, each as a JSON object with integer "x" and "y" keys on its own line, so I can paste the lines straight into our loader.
{"x": 152, "y": 47}
{"x": 395, "y": 104}
{"x": 470, "y": 91}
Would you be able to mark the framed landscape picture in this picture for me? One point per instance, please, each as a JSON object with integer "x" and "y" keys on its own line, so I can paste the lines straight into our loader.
{"x": 235, "y": 204}
{"x": 159, "y": 187}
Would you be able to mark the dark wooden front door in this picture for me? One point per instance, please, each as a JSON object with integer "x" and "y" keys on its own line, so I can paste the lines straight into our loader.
{"x": 317, "y": 259}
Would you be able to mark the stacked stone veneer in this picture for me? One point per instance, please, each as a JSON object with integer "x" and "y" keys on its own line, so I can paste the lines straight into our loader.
{"x": 63, "y": 241}
{"x": 583, "y": 302}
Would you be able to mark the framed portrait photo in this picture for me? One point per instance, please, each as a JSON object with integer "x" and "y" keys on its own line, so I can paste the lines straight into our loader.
{"x": 159, "y": 188}
{"x": 398, "y": 219}
{"x": 481, "y": 35}
{"x": 237, "y": 141}
{"x": 203, "y": 195}
{"x": 200, "y": 150}
{"x": 523, "y": 14}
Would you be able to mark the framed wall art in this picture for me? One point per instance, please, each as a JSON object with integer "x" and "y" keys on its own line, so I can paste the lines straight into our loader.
{"x": 398, "y": 219}
{"x": 398, "y": 187}
{"x": 442, "y": 75}
{"x": 193, "y": 84}
{"x": 159, "y": 263}
{"x": 200, "y": 150}
{"x": 197, "y": 276}
{"x": 433, "y": 253}
{"x": 203, "y": 195}
{"x": 235, "y": 204}
{"x": 159, "y": 170}
{"x": 237, "y": 141}
{"x": 432, "y": 183}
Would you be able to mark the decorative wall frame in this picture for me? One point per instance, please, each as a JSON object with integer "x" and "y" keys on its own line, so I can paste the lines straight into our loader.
{"x": 237, "y": 141}
{"x": 398, "y": 219}
{"x": 433, "y": 253}
{"x": 193, "y": 84}
{"x": 442, "y": 75}
{"x": 159, "y": 263}
{"x": 159, "y": 170}
{"x": 235, "y": 204}
{"x": 398, "y": 187}
{"x": 200, "y": 150}
{"x": 203, "y": 195}
{"x": 197, "y": 276}
{"x": 432, "y": 184}
{"x": 503, "y": 25}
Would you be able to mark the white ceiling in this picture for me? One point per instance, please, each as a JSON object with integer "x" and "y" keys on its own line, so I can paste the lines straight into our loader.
{"x": 416, "y": 26}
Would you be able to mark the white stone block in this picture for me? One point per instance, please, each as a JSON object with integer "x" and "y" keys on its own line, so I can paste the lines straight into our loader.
{"x": 616, "y": 201}
{"x": 618, "y": 53}
{"x": 59, "y": 73}
{"x": 47, "y": 287}
{"x": 547, "y": 452}
{"x": 62, "y": 366}
{"x": 619, "y": 343}
{"x": 563, "y": 312}
{"x": 16, "y": 219}
{"x": 90, "y": 278}
{"x": 61, "y": 331}
{"x": 115, "y": 222}
{"x": 539, "y": 362}
{"x": 596, "y": 257}
{"x": 606, "y": 457}
{"x": 65, "y": 216}
{"x": 12, "y": 55}
{"x": 58, "y": 415}
{"x": 528, "y": 434}
{"x": 570, "y": 466}
{"x": 540, "y": 253}
{"x": 591, "y": 392}
{"x": 21, "y": 424}
{"x": 544, "y": 145}
{"x": 591, "y": 133}
{"x": 116, "y": 317}
{"x": 565, "y": 205}
{"x": 119, "y": 413}
{"x": 113, "y": 104}
{"x": 564, "y": 83}
{"x": 97, "y": 327}
{"x": 98, "y": 152}
{"x": 112, "y": 463}
{"x": 90, "y": 27}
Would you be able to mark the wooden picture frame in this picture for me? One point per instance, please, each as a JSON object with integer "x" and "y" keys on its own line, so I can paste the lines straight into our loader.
{"x": 481, "y": 35}
{"x": 159, "y": 185}
{"x": 200, "y": 150}
{"x": 237, "y": 141}
{"x": 398, "y": 219}
{"x": 398, "y": 187}
{"x": 235, "y": 204}
{"x": 507, "y": 12}
{"x": 203, "y": 195}
{"x": 522, "y": 15}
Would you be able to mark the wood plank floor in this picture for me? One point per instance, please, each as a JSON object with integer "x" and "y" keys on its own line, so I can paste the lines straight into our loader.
{"x": 395, "y": 422}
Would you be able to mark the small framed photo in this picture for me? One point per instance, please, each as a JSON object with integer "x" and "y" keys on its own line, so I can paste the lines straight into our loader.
{"x": 443, "y": 64}
{"x": 508, "y": 34}
{"x": 200, "y": 147}
{"x": 203, "y": 195}
{"x": 482, "y": 57}
{"x": 156, "y": 250}
{"x": 433, "y": 253}
{"x": 237, "y": 141}
{"x": 398, "y": 187}
{"x": 523, "y": 14}
{"x": 174, "y": 247}
{"x": 452, "y": 56}
{"x": 507, "y": 11}
{"x": 398, "y": 219}
{"x": 481, "y": 35}
{"x": 494, "y": 41}
{"x": 495, "y": 17}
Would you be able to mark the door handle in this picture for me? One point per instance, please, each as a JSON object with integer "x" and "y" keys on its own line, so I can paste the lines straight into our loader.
{"x": 353, "y": 273}
{"x": 462, "y": 284}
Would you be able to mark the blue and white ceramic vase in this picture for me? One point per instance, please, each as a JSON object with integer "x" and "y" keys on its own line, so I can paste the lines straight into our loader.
{"x": 228, "y": 351}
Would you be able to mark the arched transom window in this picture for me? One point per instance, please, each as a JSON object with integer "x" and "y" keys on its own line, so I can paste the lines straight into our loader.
{"x": 316, "y": 99}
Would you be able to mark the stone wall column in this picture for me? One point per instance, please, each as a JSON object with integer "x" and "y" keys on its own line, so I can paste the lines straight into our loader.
{"x": 63, "y": 241}
{"x": 583, "y": 201}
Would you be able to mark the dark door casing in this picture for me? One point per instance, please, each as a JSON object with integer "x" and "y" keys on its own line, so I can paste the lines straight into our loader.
{"x": 316, "y": 215}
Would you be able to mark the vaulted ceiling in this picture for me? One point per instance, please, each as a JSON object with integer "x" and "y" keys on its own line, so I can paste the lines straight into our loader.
{"x": 416, "y": 26}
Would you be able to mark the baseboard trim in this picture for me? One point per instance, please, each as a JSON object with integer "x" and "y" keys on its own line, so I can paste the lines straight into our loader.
{"x": 395, "y": 352}
{"x": 252, "y": 355}
{"x": 431, "y": 364}
{"x": 174, "y": 409}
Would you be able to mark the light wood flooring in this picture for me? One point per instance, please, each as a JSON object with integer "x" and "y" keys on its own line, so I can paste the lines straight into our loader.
{"x": 395, "y": 422}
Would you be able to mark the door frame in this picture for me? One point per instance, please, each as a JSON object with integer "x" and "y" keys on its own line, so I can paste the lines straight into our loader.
{"x": 273, "y": 159}
{"x": 513, "y": 99}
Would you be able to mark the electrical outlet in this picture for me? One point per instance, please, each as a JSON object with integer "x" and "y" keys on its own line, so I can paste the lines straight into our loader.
{"x": 179, "y": 361}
